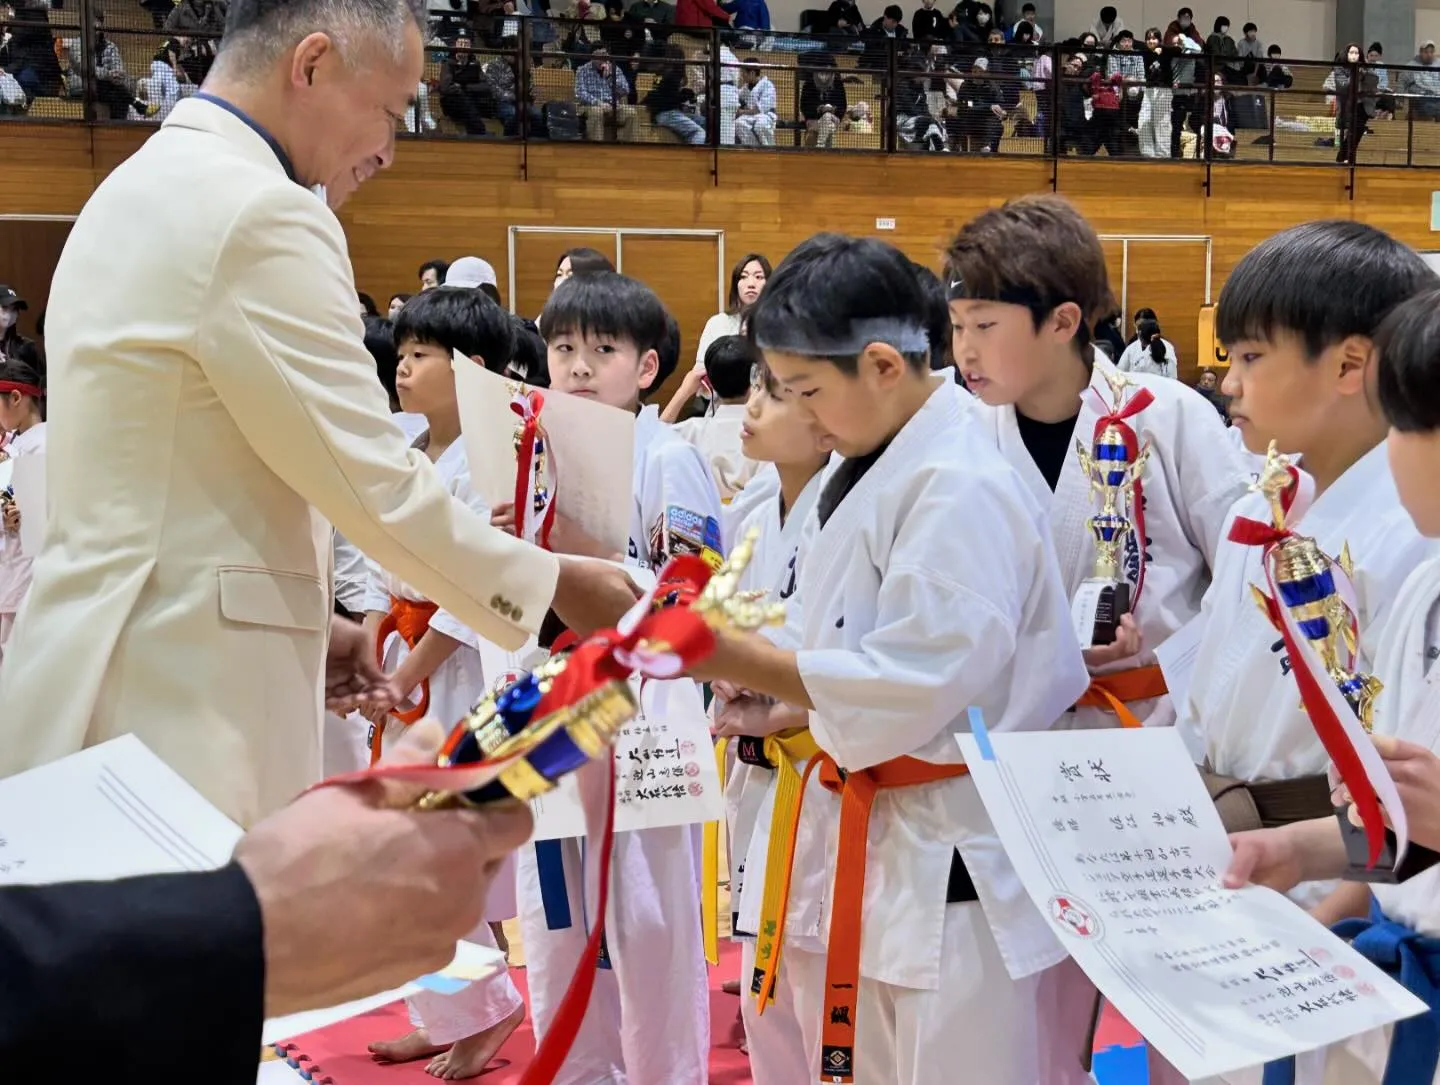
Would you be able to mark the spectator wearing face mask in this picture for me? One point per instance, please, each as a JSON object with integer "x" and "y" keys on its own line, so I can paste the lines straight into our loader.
{"x": 1275, "y": 75}
{"x": 1107, "y": 26}
{"x": 10, "y": 305}
{"x": 1424, "y": 83}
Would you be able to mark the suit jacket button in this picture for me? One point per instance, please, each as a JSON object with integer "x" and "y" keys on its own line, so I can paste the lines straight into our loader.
{"x": 498, "y": 603}
{"x": 517, "y": 614}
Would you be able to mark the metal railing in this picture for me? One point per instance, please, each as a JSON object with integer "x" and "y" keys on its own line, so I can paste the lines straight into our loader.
{"x": 530, "y": 79}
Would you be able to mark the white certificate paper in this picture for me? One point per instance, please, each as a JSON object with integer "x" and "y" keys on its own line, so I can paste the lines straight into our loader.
{"x": 593, "y": 448}
{"x": 116, "y": 811}
{"x": 28, "y": 478}
{"x": 1116, "y": 841}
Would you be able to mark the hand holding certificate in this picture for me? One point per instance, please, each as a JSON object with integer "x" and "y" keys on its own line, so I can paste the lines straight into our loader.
{"x": 1118, "y": 844}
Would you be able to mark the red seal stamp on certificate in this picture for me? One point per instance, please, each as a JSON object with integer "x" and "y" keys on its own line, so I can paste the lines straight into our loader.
{"x": 1074, "y": 916}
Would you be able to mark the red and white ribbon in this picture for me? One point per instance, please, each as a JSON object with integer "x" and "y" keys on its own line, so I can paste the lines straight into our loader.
{"x": 533, "y": 472}
{"x": 1119, "y": 418}
{"x": 1355, "y": 758}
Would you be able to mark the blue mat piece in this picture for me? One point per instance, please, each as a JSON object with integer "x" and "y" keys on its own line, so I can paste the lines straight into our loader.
{"x": 1121, "y": 1066}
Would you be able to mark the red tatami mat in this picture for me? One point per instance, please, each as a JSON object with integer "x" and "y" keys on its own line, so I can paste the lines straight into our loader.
{"x": 337, "y": 1055}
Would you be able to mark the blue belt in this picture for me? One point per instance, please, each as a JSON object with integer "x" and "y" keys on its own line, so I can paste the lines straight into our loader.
{"x": 1414, "y": 960}
{"x": 555, "y": 893}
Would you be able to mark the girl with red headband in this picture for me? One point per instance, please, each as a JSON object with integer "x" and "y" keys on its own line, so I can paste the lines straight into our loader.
{"x": 22, "y": 416}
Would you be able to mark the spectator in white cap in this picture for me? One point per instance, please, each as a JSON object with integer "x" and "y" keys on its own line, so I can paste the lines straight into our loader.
{"x": 475, "y": 273}
{"x": 10, "y": 305}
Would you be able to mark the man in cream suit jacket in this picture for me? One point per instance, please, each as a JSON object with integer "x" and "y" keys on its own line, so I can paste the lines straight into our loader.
{"x": 213, "y": 411}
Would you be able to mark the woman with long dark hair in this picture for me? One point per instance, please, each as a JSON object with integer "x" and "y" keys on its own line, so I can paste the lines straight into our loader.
{"x": 747, "y": 280}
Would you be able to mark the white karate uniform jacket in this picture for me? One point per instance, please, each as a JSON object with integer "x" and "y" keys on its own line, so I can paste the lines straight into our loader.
{"x": 1191, "y": 479}
{"x": 202, "y": 431}
{"x": 1408, "y": 708}
{"x": 648, "y": 1022}
{"x": 931, "y": 589}
{"x": 1242, "y": 703}
{"x": 717, "y": 436}
{"x": 750, "y": 791}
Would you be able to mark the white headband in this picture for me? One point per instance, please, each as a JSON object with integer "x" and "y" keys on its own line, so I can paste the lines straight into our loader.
{"x": 902, "y": 335}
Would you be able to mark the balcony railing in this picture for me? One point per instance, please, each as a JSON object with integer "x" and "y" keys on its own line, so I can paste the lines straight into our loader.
{"x": 504, "y": 77}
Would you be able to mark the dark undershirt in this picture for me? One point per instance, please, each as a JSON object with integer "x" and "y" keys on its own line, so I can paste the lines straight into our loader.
{"x": 1048, "y": 444}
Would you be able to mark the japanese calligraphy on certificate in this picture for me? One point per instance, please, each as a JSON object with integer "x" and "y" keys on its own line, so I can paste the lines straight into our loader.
{"x": 1117, "y": 843}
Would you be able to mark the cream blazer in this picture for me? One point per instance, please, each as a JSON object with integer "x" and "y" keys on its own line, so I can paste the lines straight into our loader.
{"x": 212, "y": 406}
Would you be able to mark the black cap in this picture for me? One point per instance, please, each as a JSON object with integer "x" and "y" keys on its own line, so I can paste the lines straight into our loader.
{"x": 9, "y": 298}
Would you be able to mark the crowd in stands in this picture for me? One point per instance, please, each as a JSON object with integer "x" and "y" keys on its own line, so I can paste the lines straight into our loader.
{"x": 966, "y": 80}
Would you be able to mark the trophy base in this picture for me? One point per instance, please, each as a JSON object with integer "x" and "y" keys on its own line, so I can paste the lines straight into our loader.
{"x": 1357, "y": 853}
{"x": 1097, "y": 609}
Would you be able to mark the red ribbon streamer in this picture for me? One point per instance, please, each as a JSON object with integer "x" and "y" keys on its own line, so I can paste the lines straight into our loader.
{"x": 528, "y": 407}
{"x": 1327, "y": 725}
{"x": 1129, "y": 409}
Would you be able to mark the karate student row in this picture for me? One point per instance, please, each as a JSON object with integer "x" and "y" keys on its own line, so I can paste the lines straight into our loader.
{"x": 927, "y": 569}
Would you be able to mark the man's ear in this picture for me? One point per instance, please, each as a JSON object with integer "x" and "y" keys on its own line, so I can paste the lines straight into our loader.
{"x": 313, "y": 50}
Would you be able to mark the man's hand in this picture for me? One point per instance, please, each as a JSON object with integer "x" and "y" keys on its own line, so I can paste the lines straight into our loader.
{"x": 502, "y": 517}
{"x": 591, "y": 595}
{"x": 408, "y": 883}
{"x": 352, "y": 677}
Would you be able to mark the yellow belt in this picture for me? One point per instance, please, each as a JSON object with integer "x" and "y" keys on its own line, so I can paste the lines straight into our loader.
{"x": 781, "y": 750}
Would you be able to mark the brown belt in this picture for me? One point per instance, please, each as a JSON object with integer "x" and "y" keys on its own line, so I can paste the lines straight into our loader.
{"x": 1266, "y": 804}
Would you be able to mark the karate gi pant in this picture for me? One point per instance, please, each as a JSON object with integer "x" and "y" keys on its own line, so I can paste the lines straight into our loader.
{"x": 978, "y": 1025}
{"x": 775, "y": 1038}
{"x": 450, "y": 1018}
{"x": 648, "y": 1022}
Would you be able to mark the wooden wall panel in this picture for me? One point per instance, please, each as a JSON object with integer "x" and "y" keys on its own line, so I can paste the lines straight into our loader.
{"x": 449, "y": 199}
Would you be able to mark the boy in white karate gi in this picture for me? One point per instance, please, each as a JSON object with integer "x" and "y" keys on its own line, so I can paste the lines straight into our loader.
{"x": 775, "y": 430}
{"x": 928, "y": 587}
{"x": 1407, "y": 730}
{"x": 717, "y": 435}
{"x": 1298, "y": 316}
{"x": 436, "y": 660}
{"x": 610, "y": 339}
{"x": 1043, "y": 388}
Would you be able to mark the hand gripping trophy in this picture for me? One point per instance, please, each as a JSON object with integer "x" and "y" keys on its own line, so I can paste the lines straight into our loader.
{"x": 1113, "y": 463}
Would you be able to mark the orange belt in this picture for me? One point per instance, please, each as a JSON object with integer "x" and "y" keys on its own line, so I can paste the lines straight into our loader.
{"x": 410, "y": 619}
{"x": 857, "y": 791}
{"x": 1115, "y": 691}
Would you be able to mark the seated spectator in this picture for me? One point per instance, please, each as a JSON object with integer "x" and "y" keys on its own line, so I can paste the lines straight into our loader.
{"x": 1275, "y": 75}
{"x": 1027, "y": 15}
{"x": 1107, "y": 26}
{"x": 671, "y": 103}
{"x": 1252, "y": 53}
{"x": 697, "y": 77}
{"x": 113, "y": 86}
{"x": 623, "y": 39}
{"x": 977, "y": 111}
{"x": 601, "y": 90}
{"x": 845, "y": 19}
{"x": 1150, "y": 353}
{"x": 654, "y": 14}
{"x": 1385, "y": 101}
{"x": 33, "y": 60}
{"x": 1209, "y": 386}
{"x": 915, "y": 125}
{"x": 500, "y": 74}
{"x": 823, "y": 101}
{"x": 927, "y": 24}
{"x": 755, "y": 122}
{"x": 205, "y": 18}
{"x": 466, "y": 96}
{"x": 748, "y": 14}
{"x": 1424, "y": 84}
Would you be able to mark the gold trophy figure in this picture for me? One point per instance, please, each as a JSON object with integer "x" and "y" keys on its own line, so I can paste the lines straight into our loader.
{"x": 1305, "y": 585}
{"x": 1104, "y": 597}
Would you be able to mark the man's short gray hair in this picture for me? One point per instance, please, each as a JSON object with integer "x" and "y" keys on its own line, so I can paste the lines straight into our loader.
{"x": 259, "y": 31}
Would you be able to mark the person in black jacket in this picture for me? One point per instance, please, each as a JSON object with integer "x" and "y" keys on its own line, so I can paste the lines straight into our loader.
{"x": 670, "y": 101}
{"x": 927, "y": 24}
{"x": 465, "y": 94}
{"x": 343, "y": 894}
{"x": 823, "y": 101}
